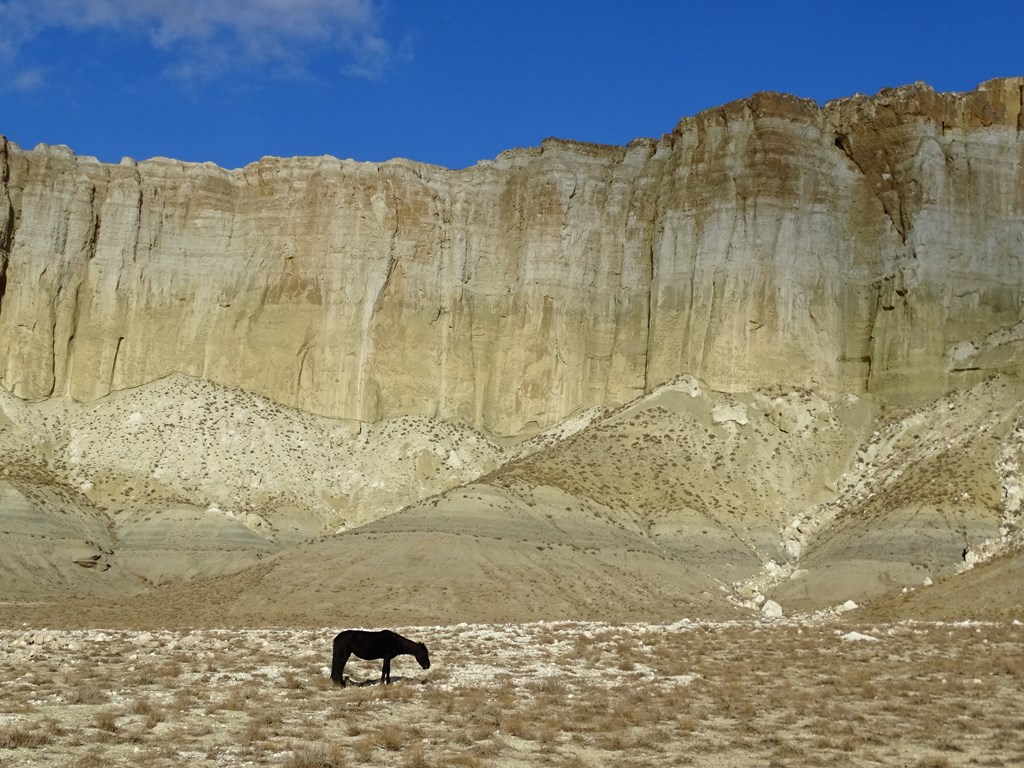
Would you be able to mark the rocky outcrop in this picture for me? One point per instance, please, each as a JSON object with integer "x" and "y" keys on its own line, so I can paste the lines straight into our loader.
{"x": 870, "y": 245}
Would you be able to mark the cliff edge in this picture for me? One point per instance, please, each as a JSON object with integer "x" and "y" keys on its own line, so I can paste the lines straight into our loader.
{"x": 872, "y": 245}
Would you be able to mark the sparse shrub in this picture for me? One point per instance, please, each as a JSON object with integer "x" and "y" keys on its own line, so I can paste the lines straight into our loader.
{"x": 318, "y": 756}
{"x": 182, "y": 699}
{"x": 393, "y": 737}
{"x": 87, "y": 692}
{"x": 363, "y": 749}
{"x": 23, "y": 737}
{"x": 415, "y": 758}
{"x": 105, "y": 720}
{"x": 548, "y": 686}
{"x": 238, "y": 697}
{"x": 253, "y": 733}
{"x": 168, "y": 669}
{"x": 94, "y": 758}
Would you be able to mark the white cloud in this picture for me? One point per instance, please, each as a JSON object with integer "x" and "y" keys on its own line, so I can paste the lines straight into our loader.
{"x": 27, "y": 80}
{"x": 206, "y": 38}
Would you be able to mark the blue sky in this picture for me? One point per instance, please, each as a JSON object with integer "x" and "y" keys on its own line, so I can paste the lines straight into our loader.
{"x": 451, "y": 82}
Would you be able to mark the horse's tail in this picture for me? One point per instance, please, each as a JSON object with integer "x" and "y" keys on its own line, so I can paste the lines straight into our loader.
{"x": 338, "y": 664}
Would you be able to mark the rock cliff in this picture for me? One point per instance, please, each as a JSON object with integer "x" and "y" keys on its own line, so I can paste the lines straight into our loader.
{"x": 870, "y": 245}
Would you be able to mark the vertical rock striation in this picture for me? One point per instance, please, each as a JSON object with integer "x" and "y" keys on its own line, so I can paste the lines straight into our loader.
{"x": 873, "y": 244}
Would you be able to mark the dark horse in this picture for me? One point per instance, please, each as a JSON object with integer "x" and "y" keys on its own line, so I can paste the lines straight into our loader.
{"x": 384, "y": 644}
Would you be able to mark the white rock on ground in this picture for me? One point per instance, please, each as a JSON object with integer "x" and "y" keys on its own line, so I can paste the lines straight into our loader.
{"x": 857, "y": 637}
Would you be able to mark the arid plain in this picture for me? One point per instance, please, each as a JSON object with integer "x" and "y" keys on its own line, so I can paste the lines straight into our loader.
{"x": 552, "y": 693}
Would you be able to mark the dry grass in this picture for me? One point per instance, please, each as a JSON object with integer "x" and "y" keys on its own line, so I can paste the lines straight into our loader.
{"x": 318, "y": 756}
{"x": 21, "y": 737}
{"x": 690, "y": 694}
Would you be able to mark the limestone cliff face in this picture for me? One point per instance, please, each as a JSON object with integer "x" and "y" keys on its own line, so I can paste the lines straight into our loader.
{"x": 874, "y": 244}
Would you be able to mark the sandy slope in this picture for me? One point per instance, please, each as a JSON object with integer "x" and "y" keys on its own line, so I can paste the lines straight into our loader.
{"x": 183, "y": 478}
{"x": 683, "y": 503}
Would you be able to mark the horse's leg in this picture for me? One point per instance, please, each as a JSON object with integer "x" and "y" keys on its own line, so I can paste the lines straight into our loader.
{"x": 385, "y": 672}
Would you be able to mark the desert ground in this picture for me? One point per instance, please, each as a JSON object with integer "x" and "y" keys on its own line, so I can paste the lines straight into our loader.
{"x": 743, "y": 693}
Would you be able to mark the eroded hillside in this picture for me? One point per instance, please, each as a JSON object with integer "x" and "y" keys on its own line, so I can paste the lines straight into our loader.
{"x": 684, "y": 502}
{"x": 183, "y": 477}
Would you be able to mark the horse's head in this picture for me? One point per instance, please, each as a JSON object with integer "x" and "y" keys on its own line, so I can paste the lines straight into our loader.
{"x": 421, "y": 655}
